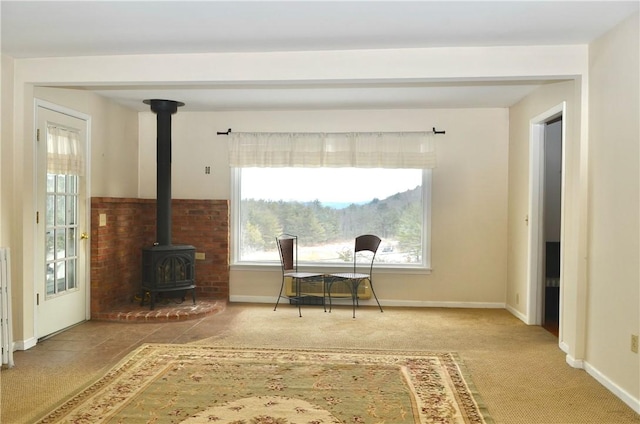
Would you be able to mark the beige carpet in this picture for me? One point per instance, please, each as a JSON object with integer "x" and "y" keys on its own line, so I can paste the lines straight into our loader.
{"x": 518, "y": 370}
{"x": 169, "y": 383}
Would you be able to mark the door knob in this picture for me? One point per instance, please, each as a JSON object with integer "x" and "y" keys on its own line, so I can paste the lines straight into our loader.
{"x": 84, "y": 236}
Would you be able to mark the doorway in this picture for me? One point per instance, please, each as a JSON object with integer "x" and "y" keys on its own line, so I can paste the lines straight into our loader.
{"x": 551, "y": 216}
{"x": 61, "y": 219}
{"x": 546, "y": 184}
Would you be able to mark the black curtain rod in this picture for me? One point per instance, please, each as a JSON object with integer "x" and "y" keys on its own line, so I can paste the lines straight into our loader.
{"x": 229, "y": 132}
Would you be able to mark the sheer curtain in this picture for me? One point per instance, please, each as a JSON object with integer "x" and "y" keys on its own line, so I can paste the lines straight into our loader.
{"x": 64, "y": 152}
{"x": 333, "y": 150}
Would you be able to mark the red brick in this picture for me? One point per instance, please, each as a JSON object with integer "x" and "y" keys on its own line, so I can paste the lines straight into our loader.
{"x": 116, "y": 249}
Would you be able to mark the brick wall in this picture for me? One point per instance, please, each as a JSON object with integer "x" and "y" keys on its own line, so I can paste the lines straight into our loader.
{"x": 116, "y": 248}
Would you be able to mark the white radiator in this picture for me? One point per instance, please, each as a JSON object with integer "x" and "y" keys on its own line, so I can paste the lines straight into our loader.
{"x": 338, "y": 289}
{"x": 6, "y": 332}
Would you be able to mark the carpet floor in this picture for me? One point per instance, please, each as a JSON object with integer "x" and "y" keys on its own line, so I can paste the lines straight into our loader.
{"x": 187, "y": 383}
{"x": 518, "y": 370}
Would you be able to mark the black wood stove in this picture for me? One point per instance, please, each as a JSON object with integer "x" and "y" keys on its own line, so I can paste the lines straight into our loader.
{"x": 166, "y": 267}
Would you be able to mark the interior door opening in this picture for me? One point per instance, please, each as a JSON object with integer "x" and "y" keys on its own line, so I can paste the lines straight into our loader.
{"x": 545, "y": 220}
{"x": 551, "y": 221}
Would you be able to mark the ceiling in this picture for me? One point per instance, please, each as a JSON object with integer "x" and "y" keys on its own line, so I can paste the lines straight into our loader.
{"x": 84, "y": 28}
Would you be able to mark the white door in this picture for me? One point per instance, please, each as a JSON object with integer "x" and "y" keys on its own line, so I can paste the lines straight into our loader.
{"x": 62, "y": 232}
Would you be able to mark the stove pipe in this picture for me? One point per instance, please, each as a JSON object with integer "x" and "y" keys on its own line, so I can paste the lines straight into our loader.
{"x": 163, "y": 109}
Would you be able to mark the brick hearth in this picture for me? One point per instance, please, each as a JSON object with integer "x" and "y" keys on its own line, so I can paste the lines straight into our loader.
{"x": 116, "y": 248}
{"x": 134, "y": 313}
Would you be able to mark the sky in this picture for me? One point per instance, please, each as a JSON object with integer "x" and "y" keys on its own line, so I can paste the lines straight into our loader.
{"x": 328, "y": 185}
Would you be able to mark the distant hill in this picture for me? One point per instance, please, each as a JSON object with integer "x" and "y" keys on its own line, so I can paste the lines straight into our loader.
{"x": 395, "y": 200}
{"x": 339, "y": 205}
{"x": 380, "y": 217}
{"x": 315, "y": 222}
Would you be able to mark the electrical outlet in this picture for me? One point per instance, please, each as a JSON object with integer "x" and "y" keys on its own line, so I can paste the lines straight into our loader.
{"x": 634, "y": 343}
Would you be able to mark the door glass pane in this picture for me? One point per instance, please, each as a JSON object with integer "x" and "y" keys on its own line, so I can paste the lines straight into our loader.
{"x": 60, "y": 183}
{"x": 60, "y": 210}
{"x": 51, "y": 204}
{"x": 50, "y": 277}
{"x": 50, "y": 252}
{"x": 61, "y": 243}
{"x": 71, "y": 242}
{"x": 72, "y": 182}
{"x": 51, "y": 183}
{"x": 60, "y": 276}
{"x": 71, "y": 274}
{"x": 71, "y": 210}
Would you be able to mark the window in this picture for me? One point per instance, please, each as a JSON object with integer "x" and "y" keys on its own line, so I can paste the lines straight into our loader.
{"x": 61, "y": 233}
{"x": 327, "y": 208}
{"x": 328, "y": 188}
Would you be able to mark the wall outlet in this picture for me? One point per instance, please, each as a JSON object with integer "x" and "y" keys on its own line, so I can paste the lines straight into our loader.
{"x": 634, "y": 343}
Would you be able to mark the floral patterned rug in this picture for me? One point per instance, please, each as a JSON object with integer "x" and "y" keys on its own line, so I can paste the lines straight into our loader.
{"x": 162, "y": 383}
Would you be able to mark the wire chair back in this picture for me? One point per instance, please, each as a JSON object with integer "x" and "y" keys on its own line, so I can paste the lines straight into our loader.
{"x": 288, "y": 248}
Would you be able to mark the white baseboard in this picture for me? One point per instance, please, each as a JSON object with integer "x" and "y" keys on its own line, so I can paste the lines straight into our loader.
{"x": 252, "y": 299}
{"x": 573, "y": 362}
{"x": 372, "y": 302}
{"x": 25, "y": 344}
{"x": 517, "y": 313}
{"x": 622, "y": 394}
{"x": 437, "y": 304}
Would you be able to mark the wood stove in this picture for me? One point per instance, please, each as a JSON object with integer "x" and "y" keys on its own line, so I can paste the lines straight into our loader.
{"x": 166, "y": 267}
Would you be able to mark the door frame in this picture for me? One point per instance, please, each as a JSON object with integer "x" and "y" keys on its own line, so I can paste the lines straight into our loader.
{"x": 39, "y": 103}
{"x": 535, "y": 260}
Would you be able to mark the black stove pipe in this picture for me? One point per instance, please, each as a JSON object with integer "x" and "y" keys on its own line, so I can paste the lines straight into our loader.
{"x": 163, "y": 109}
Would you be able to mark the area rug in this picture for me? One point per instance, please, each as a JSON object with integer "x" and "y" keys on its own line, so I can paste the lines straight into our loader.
{"x": 162, "y": 383}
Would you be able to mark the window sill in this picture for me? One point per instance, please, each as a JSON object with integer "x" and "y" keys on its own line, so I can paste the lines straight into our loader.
{"x": 331, "y": 268}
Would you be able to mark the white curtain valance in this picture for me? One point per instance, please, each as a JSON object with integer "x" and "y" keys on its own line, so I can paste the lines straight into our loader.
{"x": 333, "y": 150}
{"x": 64, "y": 152}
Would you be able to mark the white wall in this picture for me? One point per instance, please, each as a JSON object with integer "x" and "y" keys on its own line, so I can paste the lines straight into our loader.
{"x": 6, "y": 149}
{"x": 114, "y": 140}
{"x": 614, "y": 208}
{"x": 469, "y": 192}
{"x": 8, "y": 169}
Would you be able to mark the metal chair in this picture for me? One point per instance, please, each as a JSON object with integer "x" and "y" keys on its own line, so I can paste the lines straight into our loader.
{"x": 288, "y": 248}
{"x": 364, "y": 243}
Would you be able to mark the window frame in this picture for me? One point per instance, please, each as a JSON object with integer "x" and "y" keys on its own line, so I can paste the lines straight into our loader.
{"x": 234, "y": 216}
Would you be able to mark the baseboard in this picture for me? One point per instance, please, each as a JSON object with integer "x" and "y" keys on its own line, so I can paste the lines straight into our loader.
{"x": 522, "y": 317}
{"x": 392, "y": 303}
{"x": 573, "y": 362}
{"x": 438, "y": 304}
{"x": 25, "y": 344}
{"x": 252, "y": 299}
{"x": 622, "y": 394}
